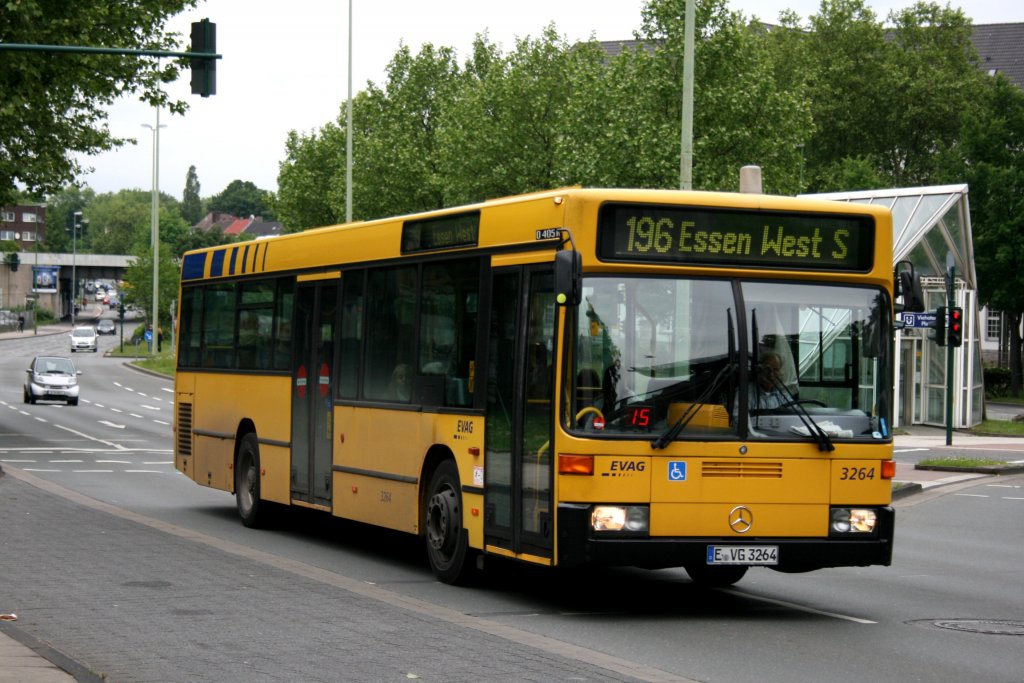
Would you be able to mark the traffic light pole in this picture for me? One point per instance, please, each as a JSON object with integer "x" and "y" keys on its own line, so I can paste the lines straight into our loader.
{"x": 950, "y": 303}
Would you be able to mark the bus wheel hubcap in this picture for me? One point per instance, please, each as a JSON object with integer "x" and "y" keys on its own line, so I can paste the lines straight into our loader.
{"x": 440, "y": 519}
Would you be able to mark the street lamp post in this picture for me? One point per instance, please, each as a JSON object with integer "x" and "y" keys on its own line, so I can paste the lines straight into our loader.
{"x": 154, "y": 225}
{"x": 77, "y": 216}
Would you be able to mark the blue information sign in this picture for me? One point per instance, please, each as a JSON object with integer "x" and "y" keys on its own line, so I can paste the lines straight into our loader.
{"x": 918, "y": 320}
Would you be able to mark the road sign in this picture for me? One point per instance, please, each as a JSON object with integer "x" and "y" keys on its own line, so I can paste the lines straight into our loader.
{"x": 918, "y": 320}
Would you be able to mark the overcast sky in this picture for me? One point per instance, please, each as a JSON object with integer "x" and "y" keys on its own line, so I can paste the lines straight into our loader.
{"x": 284, "y": 67}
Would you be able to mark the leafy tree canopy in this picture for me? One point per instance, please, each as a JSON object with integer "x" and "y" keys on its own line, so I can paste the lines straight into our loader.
{"x": 54, "y": 104}
{"x": 242, "y": 198}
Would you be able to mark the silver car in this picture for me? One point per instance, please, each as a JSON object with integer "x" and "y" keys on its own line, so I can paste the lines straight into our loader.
{"x": 52, "y": 378}
{"x": 83, "y": 339}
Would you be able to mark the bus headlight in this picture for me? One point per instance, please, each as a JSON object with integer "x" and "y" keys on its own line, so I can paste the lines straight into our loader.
{"x": 620, "y": 519}
{"x": 853, "y": 520}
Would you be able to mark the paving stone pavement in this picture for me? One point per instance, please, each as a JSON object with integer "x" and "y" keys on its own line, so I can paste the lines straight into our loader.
{"x": 114, "y": 599}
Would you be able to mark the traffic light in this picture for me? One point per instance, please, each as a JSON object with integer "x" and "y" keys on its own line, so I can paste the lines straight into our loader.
{"x": 939, "y": 326}
{"x": 204, "y": 69}
{"x": 955, "y": 330}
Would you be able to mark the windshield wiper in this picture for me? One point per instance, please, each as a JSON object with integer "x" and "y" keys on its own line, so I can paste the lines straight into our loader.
{"x": 813, "y": 428}
{"x": 679, "y": 425}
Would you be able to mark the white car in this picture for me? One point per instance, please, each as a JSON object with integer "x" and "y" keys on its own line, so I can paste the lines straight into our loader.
{"x": 52, "y": 378}
{"x": 83, "y": 339}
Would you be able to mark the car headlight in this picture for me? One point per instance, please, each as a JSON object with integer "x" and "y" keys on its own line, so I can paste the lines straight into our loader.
{"x": 621, "y": 519}
{"x": 853, "y": 521}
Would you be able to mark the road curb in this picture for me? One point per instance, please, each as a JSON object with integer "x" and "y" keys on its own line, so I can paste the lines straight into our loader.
{"x": 980, "y": 469}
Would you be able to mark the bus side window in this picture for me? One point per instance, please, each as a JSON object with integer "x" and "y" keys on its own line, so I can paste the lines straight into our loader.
{"x": 392, "y": 299}
{"x": 448, "y": 330}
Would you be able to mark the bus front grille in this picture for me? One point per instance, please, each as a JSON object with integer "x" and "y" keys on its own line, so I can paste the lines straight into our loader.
{"x": 741, "y": 470}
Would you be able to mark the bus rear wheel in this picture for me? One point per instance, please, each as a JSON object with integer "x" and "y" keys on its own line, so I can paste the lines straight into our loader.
{"x": 251, "y": 509}
{"x": 447, "y": 540}
{"x": 716, "y": 577}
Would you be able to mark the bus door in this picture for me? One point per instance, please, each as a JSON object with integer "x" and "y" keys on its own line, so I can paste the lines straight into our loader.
{"x": 312, "y": 409}
{"x": 520, "y": 402}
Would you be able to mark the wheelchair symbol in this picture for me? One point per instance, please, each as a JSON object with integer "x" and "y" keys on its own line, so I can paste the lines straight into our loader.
{"x": 677, "y": 470}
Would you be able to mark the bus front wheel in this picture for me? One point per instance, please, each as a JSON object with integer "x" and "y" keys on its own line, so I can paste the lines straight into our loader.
{"x": 251, "y": 509}
{"x": 715, "y": 577}
{"x": 447, "y": 540}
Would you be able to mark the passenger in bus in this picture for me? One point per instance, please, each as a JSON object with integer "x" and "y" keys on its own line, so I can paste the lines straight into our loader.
{"x": 400, "y": 387}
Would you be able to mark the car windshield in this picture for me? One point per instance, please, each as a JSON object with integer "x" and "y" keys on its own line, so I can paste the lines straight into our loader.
{"x": 54, "y": 366}
{"x": 83, "y": 332}
{"x": 694, "y": 358}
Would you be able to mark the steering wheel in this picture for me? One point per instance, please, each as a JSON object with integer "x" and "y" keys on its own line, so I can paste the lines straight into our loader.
{"x": 812, "y": 401}
{"x": 588, "y": 410}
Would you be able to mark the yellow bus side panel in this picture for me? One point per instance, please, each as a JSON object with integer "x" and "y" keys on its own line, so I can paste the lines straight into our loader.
{"x": 223, "y": 402}
{"x": 712, "y": 519}
{"x": 384, "y": 445}
{"x": 387, "y": 448}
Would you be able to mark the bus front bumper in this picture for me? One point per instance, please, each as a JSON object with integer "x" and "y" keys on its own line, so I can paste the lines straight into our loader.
{"x": 578, "y": 545}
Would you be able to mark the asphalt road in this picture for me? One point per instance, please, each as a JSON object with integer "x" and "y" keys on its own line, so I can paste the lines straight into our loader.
{"x": 139, "y": 574}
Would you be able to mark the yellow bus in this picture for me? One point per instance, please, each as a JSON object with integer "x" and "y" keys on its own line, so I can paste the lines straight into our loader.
{"x": 579, "y": 376}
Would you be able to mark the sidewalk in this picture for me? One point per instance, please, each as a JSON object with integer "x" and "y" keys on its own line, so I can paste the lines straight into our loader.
{"x": 22, "y": 664}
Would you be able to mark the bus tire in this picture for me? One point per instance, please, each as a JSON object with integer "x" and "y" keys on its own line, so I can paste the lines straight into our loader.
{"x": 251, "y": 509}
{"x": 716, "y": 577}
{"x": 447, "y": 540}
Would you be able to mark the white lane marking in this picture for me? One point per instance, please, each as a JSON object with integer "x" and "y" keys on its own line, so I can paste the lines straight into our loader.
{"x": 113, "y": 462}
{"x": 909, "y": 450}
{"x": 158, "y": 462}
{"x": 801, "y": 608}
{"x": 93, "y": 471}
{"x": 143, "y": 405}
{"x": 111, "y": 424}
{"x": 1012, "y": 498}
{"x": 144, "y": 471}
{"x": 117, "y": 410}
{"x": 135, "y": 415}
{"x": 41, "y": 419}
{"x": 971, "y": 495}
{"x": 92, "y": 438}
{"x": 32, "y": 469}
{"x": 13, "y": 460}
{"x": 161, "y": 422}
{"x": 98, "y": 405}
{"x": 53, "y": 462}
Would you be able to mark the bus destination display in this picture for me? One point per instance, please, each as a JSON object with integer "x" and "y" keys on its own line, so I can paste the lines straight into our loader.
{"x": 730, "y": 237}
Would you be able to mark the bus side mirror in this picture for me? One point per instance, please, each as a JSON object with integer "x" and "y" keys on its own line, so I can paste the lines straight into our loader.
{"x": 908, "y": 285}
{"x": 568, "y": 273}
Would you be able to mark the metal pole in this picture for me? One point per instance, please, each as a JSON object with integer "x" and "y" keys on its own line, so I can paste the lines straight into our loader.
{"x": 154, "y": 224}
{"x": 74, "y": 259}
{"x": 950, "y": 302}
{"x": 686, "y": 143}
{"x": 348, "y": 126}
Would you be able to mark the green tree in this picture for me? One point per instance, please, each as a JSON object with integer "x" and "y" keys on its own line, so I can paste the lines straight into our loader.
{"x": 886, "y": 102}
{"x": 138, "y": 279}
{"x": 747, "y": 109}
{"x": 397, "y": 135}
{"x": 242, "y": 198}
{"x": 191, "y": 204}
{"x": 993, "y": 162}
{"x": 311, "y": 182}
{"x": 121, "y": 222}
{"x": 55, "y": 104}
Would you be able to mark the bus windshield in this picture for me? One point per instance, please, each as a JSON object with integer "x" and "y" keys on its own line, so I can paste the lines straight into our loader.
{"x": 667, "y": 358}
